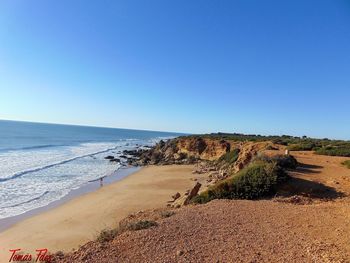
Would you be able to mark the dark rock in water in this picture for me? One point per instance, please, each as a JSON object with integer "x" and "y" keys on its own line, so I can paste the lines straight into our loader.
{"x": 109, "y": 157}
{"x": 132, "y": 161}
{"x": 123, "y": 156}
{"x": 130, "y": 152}
{"x": 135, "y": 153}
{"x": 116, "y": 160}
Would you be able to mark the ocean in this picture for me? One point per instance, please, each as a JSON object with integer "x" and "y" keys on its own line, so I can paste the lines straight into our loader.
{"x": 41, "y": 163}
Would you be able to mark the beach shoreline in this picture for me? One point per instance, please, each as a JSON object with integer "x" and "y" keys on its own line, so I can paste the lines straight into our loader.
{"x": 91, "y": 186}
{"x": 82, "y": 218}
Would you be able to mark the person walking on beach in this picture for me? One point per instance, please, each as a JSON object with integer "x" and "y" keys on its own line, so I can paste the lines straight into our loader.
{"x": 101, "y": 181}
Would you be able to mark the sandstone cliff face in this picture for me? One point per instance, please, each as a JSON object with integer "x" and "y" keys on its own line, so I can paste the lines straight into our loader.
{"x": 247, "y": 152}
{"x": 182, "y": 150}
{"x": 188, "y": 150}
{"x": 205, "y": 149}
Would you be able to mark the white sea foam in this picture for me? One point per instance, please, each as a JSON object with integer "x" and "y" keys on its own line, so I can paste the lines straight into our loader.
{"x": 36, "y": 177}
{"x": 17, "y": 162}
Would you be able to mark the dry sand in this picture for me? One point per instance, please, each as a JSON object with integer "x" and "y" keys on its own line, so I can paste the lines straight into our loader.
{"x": 81, "y": 219}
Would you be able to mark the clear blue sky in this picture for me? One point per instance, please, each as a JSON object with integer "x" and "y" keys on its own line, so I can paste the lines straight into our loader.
{"x": 268, "y": 67}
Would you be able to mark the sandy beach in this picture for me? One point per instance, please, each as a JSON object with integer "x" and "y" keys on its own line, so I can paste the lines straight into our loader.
{"x": 81, "y": 219}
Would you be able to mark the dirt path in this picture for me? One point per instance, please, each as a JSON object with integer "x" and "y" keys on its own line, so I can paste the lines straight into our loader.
{"x": 325, "y": 170}
{"x": 248, "y": 231}
{"x": 234, "y": 231}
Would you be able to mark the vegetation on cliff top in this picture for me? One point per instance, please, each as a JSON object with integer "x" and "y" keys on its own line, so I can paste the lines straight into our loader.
{"x": 343, "y": 150}
{"x": 107, "y": 235}
{"x": 287, "y": 162}
{"x": 320, "y": 146}
{"x": 258, "y": 179}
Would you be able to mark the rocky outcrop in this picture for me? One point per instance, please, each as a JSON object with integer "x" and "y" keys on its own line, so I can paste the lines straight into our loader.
{"x": 165, "y": 153}
{"x": 221, "y": 168}
{"x": 186, "y": 199}
{"x": 182, "y": 150}
{"x": 176, "y": 196}
{"x": 112, "y": 159}
{"x": 202, "y": 148}
{"x": 202, "y": 151}
{"x": 194, "y": 191}
{"x": 248, "y": 150}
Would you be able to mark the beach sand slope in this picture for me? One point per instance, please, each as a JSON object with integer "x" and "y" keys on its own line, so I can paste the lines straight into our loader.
{"x": 81, "y": 219}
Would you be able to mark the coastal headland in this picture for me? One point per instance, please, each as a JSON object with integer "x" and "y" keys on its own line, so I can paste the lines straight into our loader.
{"x": 185, "y": 205}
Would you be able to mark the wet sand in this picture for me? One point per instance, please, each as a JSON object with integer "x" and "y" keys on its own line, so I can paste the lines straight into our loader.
{"x": 87, "y": 188}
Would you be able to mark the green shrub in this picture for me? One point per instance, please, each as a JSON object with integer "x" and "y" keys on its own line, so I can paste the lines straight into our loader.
{"x": 107, "y": 235}
{"x": 346, "y": 163}
{"x": 283, "y": 161}
{"x": 279, "y": 141}
{"x": 230, "y": 157}
{"x": 295, "y": 143}
{"x": 166, "y": 214}
{"x": 257, "y": 180}
{"x": 143, "y": 224}
{"x": 303, "y": 146}
{"x": 334, "y": 151}
{"x": 271, "y": 148}
{"x": 323, "y": 146}
{"x": 286, "y": 161}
